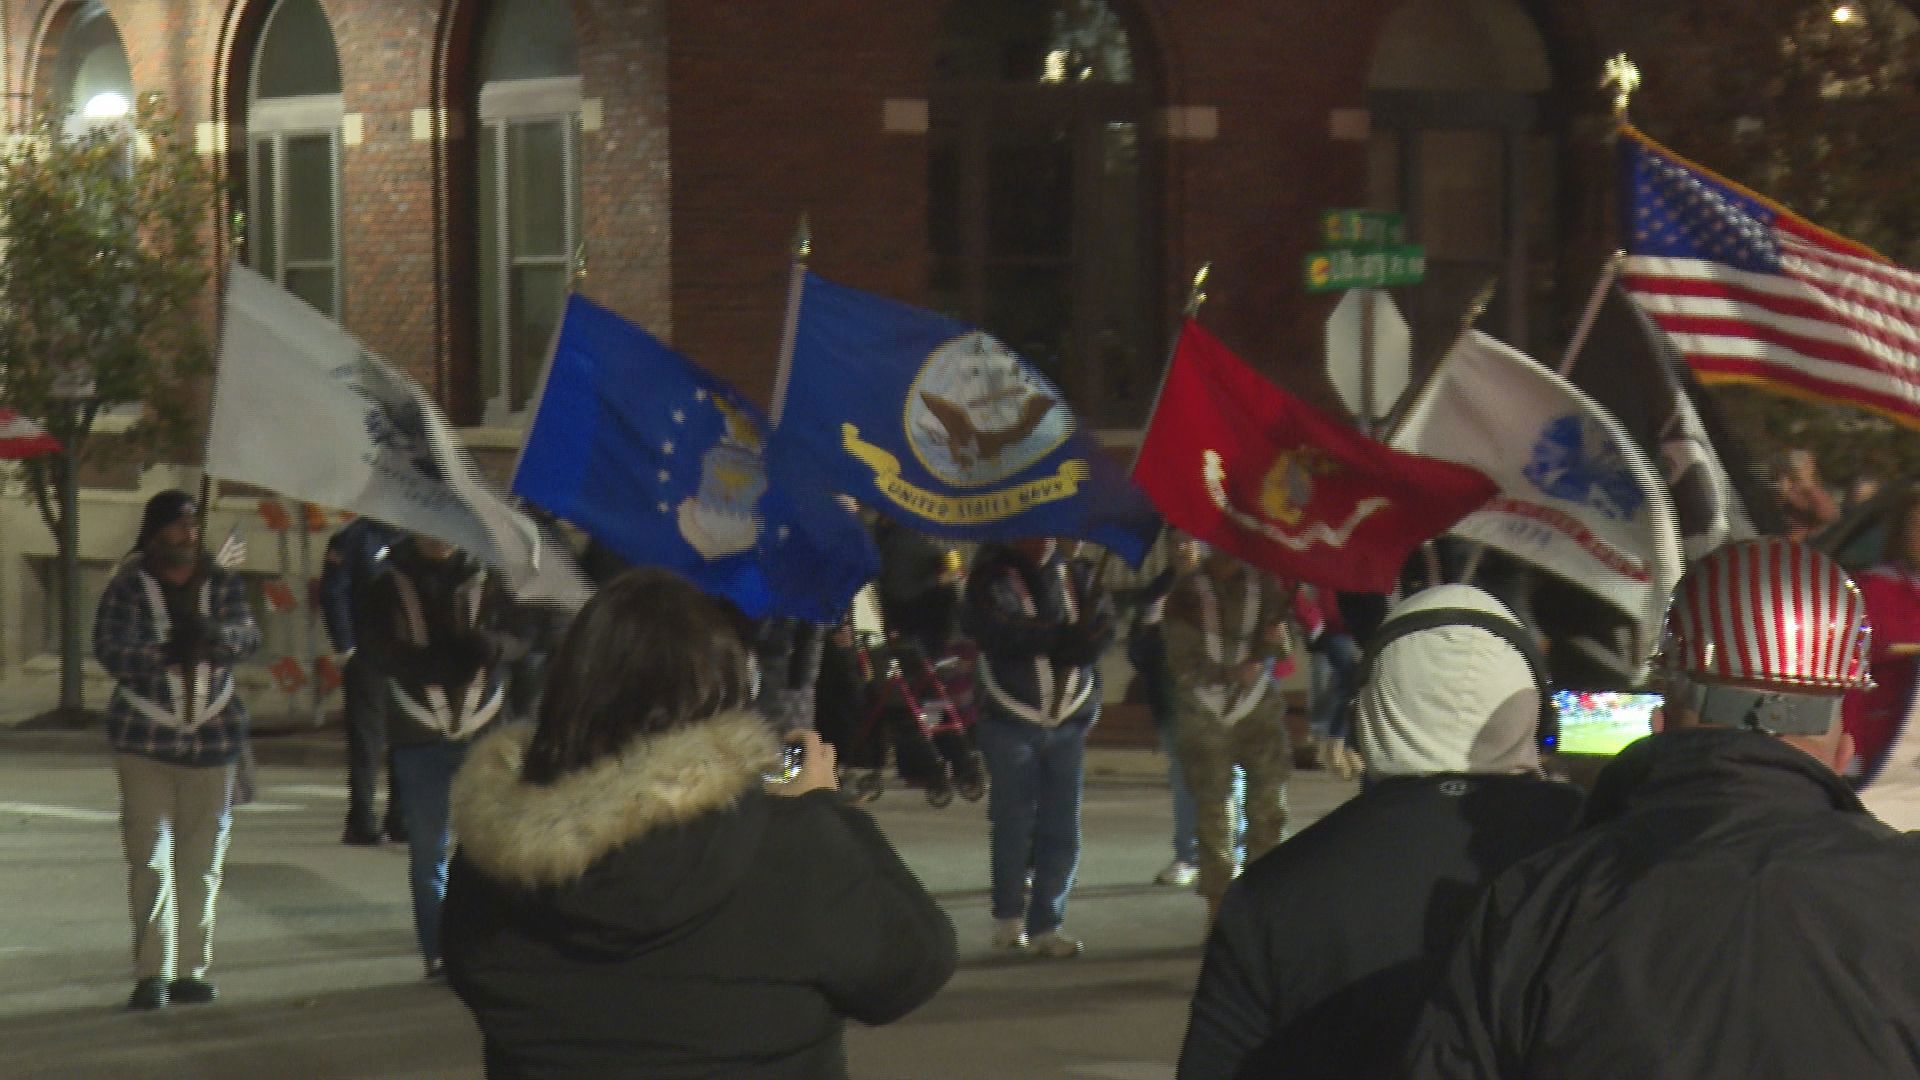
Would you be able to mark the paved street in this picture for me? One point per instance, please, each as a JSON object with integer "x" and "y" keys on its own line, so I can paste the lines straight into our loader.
{"x": 318, "y": 976}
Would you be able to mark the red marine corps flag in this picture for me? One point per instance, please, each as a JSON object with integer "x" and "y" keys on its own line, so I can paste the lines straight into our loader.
{"x": 1250, "y": 469}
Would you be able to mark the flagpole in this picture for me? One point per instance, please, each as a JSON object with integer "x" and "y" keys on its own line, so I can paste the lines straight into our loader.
{"x": 1609, "y": 274}
{"x": 1196, "y": 296}
{"x": 790, "y": 329}
{"x": 1475, "y": 308}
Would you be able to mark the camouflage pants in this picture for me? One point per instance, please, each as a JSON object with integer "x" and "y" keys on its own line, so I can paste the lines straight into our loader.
{"x": 1210, "y": 749}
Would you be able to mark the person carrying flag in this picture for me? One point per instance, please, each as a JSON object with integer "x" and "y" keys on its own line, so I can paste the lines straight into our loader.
{"x": 1226, "y": 626}
{"x": 1042, "y": 622}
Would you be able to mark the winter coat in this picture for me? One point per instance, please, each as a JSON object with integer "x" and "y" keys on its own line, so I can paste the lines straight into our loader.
{"x": 442, "y": 632}
{"x": 136, "y": 639}
{"x": 356, "y": 557}
{"x": 1041, "y": 630}
{"x": 1325, "y": 950}
{"x": 1727, "y": 910}
{"x": 659, "y": 915}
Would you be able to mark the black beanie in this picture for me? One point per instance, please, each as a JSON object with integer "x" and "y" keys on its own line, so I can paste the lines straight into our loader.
{"x": 163, "y": 510}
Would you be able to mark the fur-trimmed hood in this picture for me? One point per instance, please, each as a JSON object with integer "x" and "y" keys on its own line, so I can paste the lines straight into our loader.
{"x": 631, "y": 847}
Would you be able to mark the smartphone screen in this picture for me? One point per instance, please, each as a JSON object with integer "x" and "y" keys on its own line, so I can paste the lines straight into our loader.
{"x": 1602, "y": 722}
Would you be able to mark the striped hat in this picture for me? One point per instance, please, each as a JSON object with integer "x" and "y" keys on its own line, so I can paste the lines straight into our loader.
{"x": 1769, "y": 614}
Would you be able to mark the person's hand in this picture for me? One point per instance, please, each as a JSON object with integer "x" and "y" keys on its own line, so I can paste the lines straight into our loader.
{"x": 1248, "y": 672}
{"x": 232, "y": 553}
{"x": 819, "y": 766}
{"x": 1274, "y": 634}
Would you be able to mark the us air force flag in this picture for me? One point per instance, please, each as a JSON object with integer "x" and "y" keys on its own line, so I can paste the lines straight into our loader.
{"x": 1577, "y": 496}
{"x": 301, "y": 408}
{"x": 662, "y": 463}
{"x": 940, "y": 426}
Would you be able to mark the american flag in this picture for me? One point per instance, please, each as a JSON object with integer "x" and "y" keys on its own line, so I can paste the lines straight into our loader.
{"x": 1751, "y": 292}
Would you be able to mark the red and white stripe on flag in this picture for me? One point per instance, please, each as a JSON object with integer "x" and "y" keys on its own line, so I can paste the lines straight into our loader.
{"x": 24, "y": 438}
{"x": 1751, "y": 292}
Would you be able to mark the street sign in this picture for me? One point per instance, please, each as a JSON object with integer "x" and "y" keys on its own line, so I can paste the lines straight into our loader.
{"x": 1362, "y": 228}
{"x": 1365, "y": 269}
{"x": 1391, "y": 345}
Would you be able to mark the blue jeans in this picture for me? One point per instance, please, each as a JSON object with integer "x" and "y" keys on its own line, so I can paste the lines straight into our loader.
{"x": 1336, "y": 673}
{"x": 1033, "y": 805}
{"x": 423, "y": 782}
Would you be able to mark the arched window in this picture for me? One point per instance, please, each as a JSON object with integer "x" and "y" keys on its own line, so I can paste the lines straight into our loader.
{"x": 1461, "y": 148}
{"x": 92, "y": 82}
{"x": 294, "y": 114}
{"x": 1041, "y": 213}
{"x": 528, "y": 194}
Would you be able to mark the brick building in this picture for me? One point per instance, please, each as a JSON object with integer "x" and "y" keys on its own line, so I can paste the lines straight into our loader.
{"x": 434, "y": 172}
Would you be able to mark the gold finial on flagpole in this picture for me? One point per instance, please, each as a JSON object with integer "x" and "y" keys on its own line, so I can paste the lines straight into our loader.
{"x": 802, "y": 240}
{"x": 1623, "y": 77}
{"x": 580, "y": 261}
{"x": 1197, "y": 295}
{"x": 1478, "y": 306}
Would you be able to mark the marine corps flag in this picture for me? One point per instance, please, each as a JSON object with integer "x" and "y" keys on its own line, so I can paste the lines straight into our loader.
{"x": 1250, "y": 469}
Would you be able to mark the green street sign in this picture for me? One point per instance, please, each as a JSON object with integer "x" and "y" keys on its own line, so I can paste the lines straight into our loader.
{"x": 1339, "y": 268}
{"x": 1362, "y": 229}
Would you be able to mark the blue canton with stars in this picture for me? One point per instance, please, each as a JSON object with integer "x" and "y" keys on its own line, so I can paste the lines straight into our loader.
{"x": 1680, "y": 213}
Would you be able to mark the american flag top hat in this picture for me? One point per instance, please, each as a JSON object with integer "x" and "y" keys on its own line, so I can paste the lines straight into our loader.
{"x": 1769, "y": 614}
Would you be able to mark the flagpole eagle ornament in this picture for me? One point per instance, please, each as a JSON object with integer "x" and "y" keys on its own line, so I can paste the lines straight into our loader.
{"x": 1622, "y": 76}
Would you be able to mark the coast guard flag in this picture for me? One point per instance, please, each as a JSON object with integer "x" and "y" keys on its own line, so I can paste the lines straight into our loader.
{"x": 1752, "y": 292}
{"x": 941, "y": 427}
{"x": 1242, "y": 464}
{"x": 663, "y": 464}
{"x": 301, "y": 408}
{"x": 1577, "y": 497}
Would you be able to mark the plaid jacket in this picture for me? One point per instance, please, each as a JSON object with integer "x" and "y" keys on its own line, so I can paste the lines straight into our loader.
{"x": 147, "y": 714}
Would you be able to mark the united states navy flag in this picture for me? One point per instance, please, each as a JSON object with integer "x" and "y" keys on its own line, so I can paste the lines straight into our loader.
{"x": 663, "y": 464}
{"x": 940, "y": 426}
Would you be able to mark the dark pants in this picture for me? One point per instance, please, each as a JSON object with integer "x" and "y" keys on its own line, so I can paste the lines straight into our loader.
{"x": 366, "y": 719}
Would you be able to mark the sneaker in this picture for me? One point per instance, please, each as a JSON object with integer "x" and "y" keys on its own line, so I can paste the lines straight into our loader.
{"x": 148, "y": 994}
{"x": 1009, "y": 934}
{"x": 191, "y": 992}
{"x": 1179, "y": 874}
{"x": 1054, "y": 945}
{"x": 361, "y": 834}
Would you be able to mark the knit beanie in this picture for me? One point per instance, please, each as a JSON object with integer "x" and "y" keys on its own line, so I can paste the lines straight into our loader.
{"x": 1448, "y": 698}
{"x": 163, "y": 510}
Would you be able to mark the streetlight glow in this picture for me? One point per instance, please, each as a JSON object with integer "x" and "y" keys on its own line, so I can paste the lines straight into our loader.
{"x": 1844, "y": 14}
{"x": 108, "y": 105}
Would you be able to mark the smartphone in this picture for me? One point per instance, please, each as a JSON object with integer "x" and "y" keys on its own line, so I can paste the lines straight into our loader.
{"x": 1602, "y": 722}
{"x": 792, "y": 756}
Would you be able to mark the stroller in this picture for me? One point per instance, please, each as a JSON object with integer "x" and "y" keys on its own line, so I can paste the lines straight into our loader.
{"x": 898, "y": 708}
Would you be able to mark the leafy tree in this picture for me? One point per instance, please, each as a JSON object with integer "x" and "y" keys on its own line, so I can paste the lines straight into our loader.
{"x": 104, "y": 286}
{"x": 1816, "y": 105}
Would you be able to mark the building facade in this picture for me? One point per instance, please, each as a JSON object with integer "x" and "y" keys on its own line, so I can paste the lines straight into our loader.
{"x": 435, "y": 174}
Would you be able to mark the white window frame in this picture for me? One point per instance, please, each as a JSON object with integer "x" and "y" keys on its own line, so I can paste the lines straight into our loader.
{"x": 275, "y": 120}
{"x": 502, "y": 104}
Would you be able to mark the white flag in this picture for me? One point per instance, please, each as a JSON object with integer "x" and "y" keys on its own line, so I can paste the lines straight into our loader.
{"x": 302, "y": 408}
{"x": 1577, "y": 496}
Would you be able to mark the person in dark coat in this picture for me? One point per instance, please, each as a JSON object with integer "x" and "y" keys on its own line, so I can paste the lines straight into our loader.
{"x": 1042, "y": 622}
{"x": 356, "y": 557}
{"x": 445, "y": 631}
{"x": 1325, "y": 949}
{"x": 633, "y": 896}
{"x": 1727, "y": 909}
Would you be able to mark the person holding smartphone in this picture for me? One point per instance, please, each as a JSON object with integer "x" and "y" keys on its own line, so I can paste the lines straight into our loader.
{"x": 639, "y": 891}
